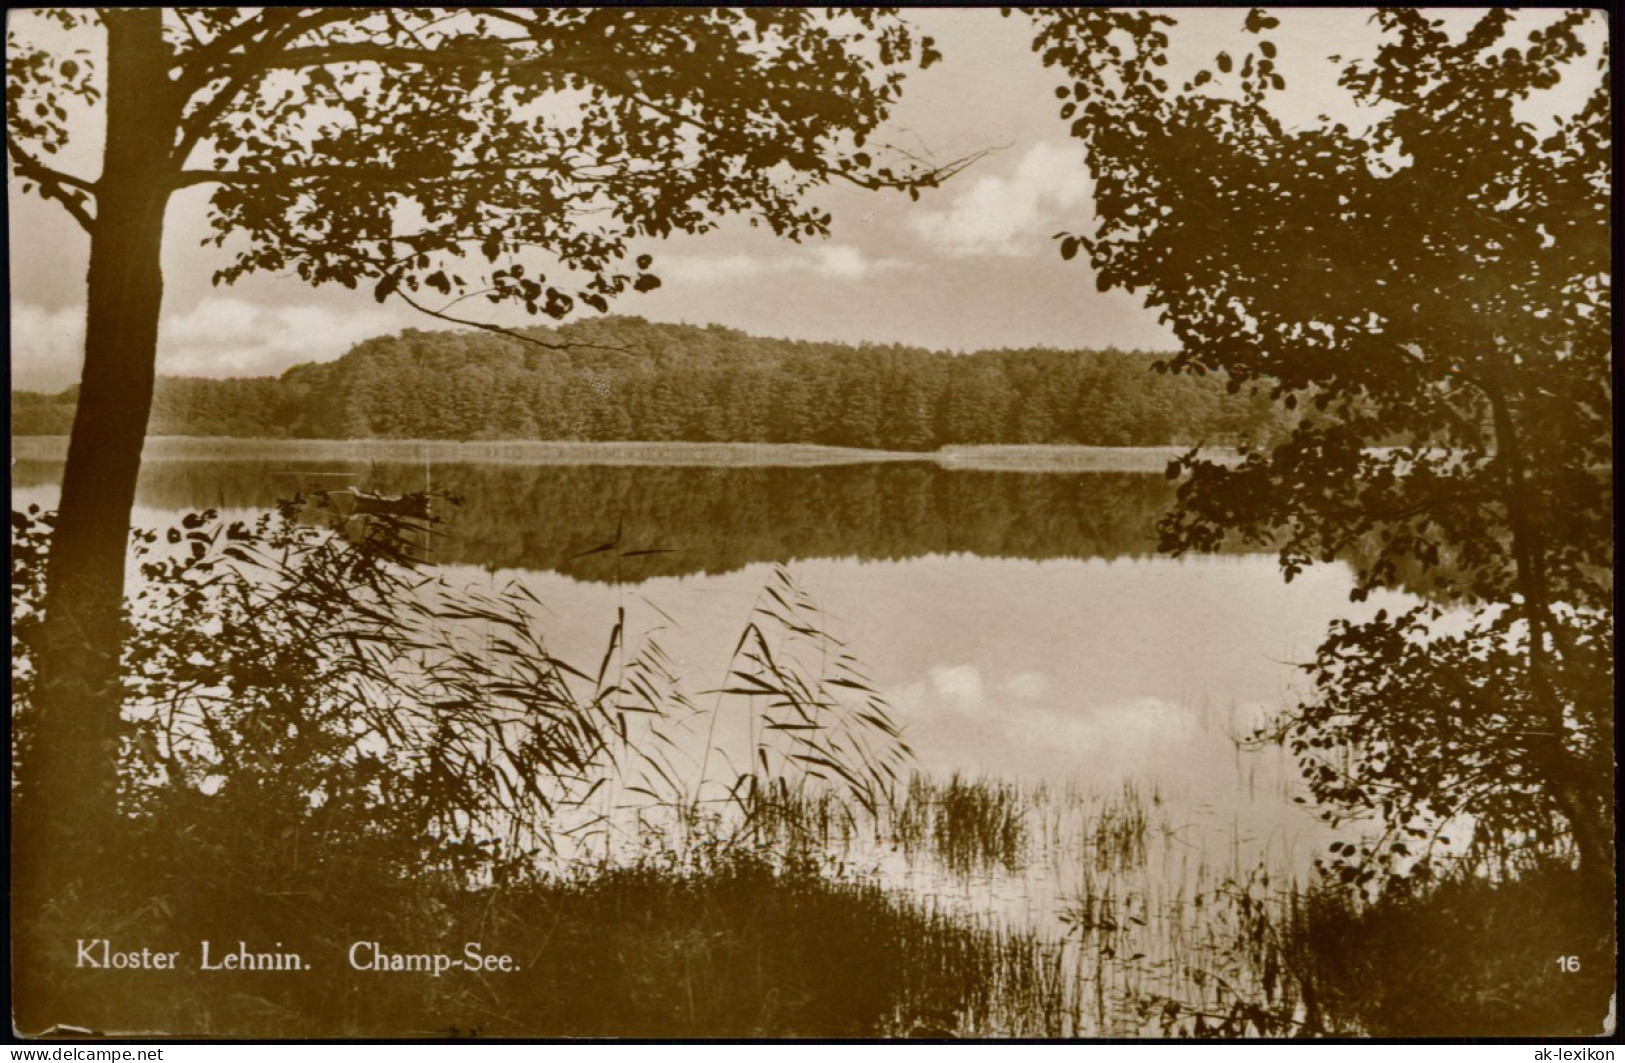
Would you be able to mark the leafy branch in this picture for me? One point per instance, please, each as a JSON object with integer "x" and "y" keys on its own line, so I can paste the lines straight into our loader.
{"x": 72, "y": 192}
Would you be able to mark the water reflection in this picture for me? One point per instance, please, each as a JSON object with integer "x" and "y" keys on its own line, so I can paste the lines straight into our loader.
{"x": 709, "y": 520}
{"x": 1019, "y": 622}
{"x": 1110, "y": 671}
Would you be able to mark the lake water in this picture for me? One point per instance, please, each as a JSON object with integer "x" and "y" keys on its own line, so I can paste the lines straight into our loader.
{"x": 1020, "y": 624}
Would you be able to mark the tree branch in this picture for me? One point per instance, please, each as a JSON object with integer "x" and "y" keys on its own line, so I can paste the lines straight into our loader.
{"x": 197, "y": 67}
{"x": 385, "y": 267}
{"x": 370, "y": 175}
{"x": 514, "y": 18}
{"x": 496, "y": 53}
{"x": 605, "y": 74}
{"x": 500, "y": 330}
{"x": 391, "y": 55}
{"x": 196, "y": 63}
{"x": 930, "y": 174}
{"x": 54, "y": 184}
{"x": 614, "y": 78}
{"x": 1415, "y": 509}
{"x": 186, "y": 24}
{"x": 244, "y": 69}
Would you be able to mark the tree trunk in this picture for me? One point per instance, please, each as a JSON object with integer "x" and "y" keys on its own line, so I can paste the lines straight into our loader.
{"x": 1563, "y": 774}
{"x": 67, "y": 799}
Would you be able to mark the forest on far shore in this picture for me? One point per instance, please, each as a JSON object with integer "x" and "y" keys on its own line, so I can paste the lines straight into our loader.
{"x": 624, "y": 378}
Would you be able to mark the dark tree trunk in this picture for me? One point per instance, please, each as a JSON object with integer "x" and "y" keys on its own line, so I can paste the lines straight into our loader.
{"x": 66, "y": 809}
{"x": 1565, "y": 777}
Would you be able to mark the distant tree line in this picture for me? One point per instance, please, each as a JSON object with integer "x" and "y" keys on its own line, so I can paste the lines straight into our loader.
{"x": 623, "y": 378}
{"x": 36, "y": 414}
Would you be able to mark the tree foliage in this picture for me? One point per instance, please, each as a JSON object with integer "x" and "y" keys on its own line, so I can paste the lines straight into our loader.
{"x": 1426, "y": 284}
{"x": 425, "y": 155}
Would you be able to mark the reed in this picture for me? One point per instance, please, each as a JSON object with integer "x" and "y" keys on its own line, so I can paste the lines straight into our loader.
{"x": 970, "y": 825}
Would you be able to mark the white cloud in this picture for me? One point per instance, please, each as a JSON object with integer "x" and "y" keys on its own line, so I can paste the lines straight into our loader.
{"x": 707, "y": 269}
{"x": 47, "y": 346}
{"x": 1028, "y": 686}
{"x": 1013, "y": 724}
{"x": 960, "y": 690}
{"x": 1136, "y": 734}
{"x": 844, "y": 262}
{"x": 233, "y": 337}
{"x": 961, "y": 686}
{"x": 1012, "y": 215}
{"x": 830, "y": 261}
{"x": 1127, "y": 732}
{"x": 218, "y": 337}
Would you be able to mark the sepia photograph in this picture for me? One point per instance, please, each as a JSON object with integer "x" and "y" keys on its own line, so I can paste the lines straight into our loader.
{"x": 671, "y": 523}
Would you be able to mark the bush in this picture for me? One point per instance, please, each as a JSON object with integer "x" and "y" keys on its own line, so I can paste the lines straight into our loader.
{"x": 1464, "y": 957}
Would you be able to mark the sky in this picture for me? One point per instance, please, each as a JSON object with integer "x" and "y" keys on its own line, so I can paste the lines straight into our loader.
{"x": 971, "y": 265}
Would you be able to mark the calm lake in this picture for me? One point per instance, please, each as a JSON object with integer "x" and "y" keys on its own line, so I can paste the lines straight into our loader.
{"x": 1020, "y": 624}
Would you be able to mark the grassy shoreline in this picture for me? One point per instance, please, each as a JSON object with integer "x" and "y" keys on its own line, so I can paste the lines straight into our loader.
{"x": 1015, "y": 458}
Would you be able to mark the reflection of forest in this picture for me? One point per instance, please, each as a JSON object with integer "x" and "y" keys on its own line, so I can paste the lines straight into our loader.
{"x": 711, "y": 519}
